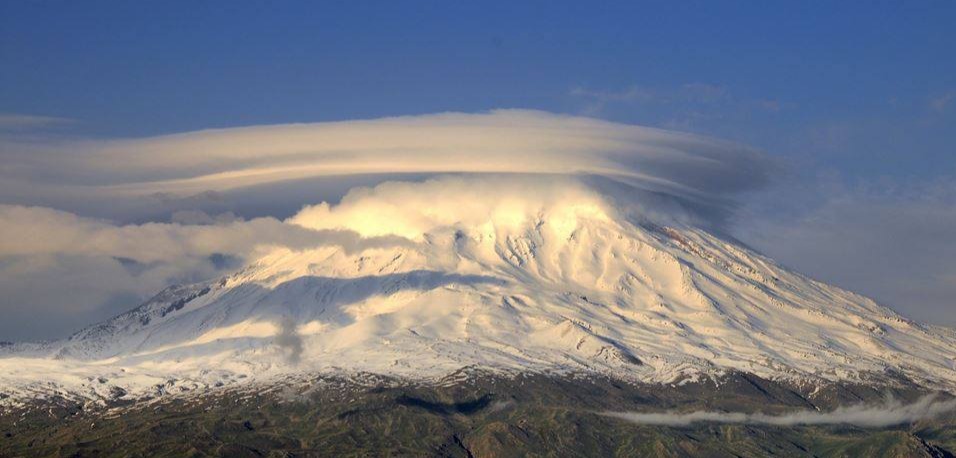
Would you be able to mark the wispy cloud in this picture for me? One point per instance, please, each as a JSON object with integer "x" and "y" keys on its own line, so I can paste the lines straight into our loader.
{"x": 703, "y": 92}
{"x": 599, "y": 99}
{"x": 874, "y": 416}
{"x": 683, "y": 106}
{"x": 943, "y": 101}
{"x": 23, "y": 122}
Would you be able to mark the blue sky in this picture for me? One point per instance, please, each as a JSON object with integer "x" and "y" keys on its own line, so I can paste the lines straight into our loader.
{"x": 846, "y": 71}
{"x": 858, "y": 99}
{"x": 861, "y": 78}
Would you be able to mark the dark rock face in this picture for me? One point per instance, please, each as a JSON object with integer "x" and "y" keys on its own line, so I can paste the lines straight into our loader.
{"x": 477, "y": 416}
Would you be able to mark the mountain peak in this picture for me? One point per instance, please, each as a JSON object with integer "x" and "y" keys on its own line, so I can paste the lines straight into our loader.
{"x": 517, "y": 285}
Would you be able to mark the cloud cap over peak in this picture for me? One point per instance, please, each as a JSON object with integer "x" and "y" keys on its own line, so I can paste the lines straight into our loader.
{"x": 691, "y": 167}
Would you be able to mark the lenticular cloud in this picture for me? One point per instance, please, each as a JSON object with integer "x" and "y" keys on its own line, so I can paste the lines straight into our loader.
{"x": 691, "y": 167}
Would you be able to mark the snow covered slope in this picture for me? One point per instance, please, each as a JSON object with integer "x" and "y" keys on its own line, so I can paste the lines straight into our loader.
{"x": 499, "y": 278}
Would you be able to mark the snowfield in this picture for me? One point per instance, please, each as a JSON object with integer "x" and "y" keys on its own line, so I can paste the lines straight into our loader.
{"x": 498, "y": 278}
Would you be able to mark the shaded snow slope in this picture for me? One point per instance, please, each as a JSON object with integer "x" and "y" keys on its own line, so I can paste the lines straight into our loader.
{"x": 511, "y": 282}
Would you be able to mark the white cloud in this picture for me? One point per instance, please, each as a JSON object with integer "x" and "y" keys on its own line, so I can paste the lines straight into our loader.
{"x": 506, "y": 141}
{"x": 30, "y": 231}
{"x": 875, "y": 416}
{"x": 72, "y": 270}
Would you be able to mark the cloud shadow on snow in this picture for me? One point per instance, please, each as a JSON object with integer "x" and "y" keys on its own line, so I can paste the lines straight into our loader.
{"x": 292, "y": 303}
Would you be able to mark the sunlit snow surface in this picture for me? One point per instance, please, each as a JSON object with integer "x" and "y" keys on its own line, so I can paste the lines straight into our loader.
{"x": 516, "y": 283}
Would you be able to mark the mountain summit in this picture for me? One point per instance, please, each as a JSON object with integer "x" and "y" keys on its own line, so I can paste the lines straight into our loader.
{"x": 488, "y": 275}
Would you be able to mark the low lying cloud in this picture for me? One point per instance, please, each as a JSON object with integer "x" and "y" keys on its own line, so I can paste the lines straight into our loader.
{"x": 875, "y": 416}
{"x": 289, "y": 340}
{"x": 75, "y": 270}
{"x": 43, "y": 231}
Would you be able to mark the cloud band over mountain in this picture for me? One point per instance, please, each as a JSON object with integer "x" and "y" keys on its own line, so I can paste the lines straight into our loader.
{"x": 694, "y": 168}
{"x": 892, "y": 412}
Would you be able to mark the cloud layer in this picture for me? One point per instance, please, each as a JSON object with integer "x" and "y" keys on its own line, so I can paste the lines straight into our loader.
{"x": 409, "y": 210}
{"x": 75, "y": 270}
{"x": 703, "y": 171}
{"x": 888, "y": 414}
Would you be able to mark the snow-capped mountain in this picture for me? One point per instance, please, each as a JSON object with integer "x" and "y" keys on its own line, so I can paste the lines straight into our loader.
{"x": 515, "y": 283}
